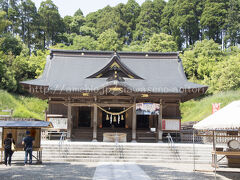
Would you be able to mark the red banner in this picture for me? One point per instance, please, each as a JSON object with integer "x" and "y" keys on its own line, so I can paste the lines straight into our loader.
{"x": 215, "y": 107}
{"x": 163, "y": 124}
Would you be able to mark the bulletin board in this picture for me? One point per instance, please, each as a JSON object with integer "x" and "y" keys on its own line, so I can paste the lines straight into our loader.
{"x": 19, "y": 133}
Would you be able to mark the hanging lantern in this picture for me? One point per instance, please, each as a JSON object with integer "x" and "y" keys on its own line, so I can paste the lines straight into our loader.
{"x": 118, "y": 119}
{"x": 107, "y": 117}
{"x": 122, "y": 118}
{"x": 114, "y": 119}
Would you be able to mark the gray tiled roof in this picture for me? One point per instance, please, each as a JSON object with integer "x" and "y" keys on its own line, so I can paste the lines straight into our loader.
{"x": 25, "y": 124}
{"x": 69, "y": 72}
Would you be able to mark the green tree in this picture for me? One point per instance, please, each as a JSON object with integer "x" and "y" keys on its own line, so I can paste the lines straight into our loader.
{"x": 4, "y": 6}
{"x": 67, "y": 20}
{"x": 213, "y": 19}
{"x": 84, "y": 43}
{"x": 11, "y": 45}
{"x": 77, "y": 21}
{"x": 28, "y": 16}
{"x": 3, "y": 22}
{"x": 186, "y": 21}
{"x": 51, "y": 23}
{"x": 233, "y": 23}
{"x": 108, "y": 40}
{"x": 226, "y": 75}
{"x": 10, "y": 7}
{"x": 13, "y": 16}
{"x": 92, "y": 18}
{"x": 149, "y": 20}
{"x": 133, "y": 47}
{"x": 7, "y": 75}
{"x": 112, "y": 18}
{"x": 168, "y": 13}
{"x": 161, "y": 43}
{"x": 130, "y": 12}
{"x": 28, "y": 67}
{"x": 200, "y": 60}
{"x": 88, "y": 31}
{"x": 78, "y": 13}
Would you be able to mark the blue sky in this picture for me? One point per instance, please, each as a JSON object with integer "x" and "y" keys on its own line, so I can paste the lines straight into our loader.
{"x": 68, "y": 7}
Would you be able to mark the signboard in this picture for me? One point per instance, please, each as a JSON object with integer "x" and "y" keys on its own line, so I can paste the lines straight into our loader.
{"x": 171, "y": 124}
{"x": 19, "y": 133}
{"x": 58, "y": 123}
{"x": 147, "y": 109}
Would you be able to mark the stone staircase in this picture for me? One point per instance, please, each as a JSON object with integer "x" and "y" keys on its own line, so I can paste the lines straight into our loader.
{"x": 131, "y": 152}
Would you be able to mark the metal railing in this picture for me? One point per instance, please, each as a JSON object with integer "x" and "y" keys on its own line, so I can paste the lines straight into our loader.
{"x": 118, "y": 147}
{"x": 172, "y": 146}
{"x": 63, "y": 152}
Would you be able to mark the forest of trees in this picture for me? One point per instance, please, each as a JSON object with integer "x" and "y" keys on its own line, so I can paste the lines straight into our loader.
{"x": 207, "y": 32}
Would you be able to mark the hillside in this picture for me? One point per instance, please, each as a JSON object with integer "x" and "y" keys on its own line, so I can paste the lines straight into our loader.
{"x": 196, "y": 110}
{"x": 25, "y": 107}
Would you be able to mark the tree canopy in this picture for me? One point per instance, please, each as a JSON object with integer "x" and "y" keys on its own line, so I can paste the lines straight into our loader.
{"x": 207, "y": 32}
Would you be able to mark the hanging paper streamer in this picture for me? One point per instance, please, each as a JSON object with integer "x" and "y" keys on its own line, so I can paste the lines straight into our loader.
{"x": 122, "y": 118}
{"x": 114, "y": 119}
{"x": 111, "y": 119}
{"x": 118, "y": 119}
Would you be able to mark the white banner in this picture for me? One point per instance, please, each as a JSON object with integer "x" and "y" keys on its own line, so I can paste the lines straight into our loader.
{"x": 147, "y": 109}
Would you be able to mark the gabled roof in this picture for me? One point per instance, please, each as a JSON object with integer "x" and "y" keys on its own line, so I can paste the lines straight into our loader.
{"x": 77, "y": 70}
{"x": 115, "y": 65}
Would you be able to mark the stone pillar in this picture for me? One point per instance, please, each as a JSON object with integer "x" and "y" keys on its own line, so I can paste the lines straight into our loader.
{"x": 134, "y": 123}
{"x": 159, "y": 129}
{"x": 69, "y": 124}
{"x": 94, "y": 122}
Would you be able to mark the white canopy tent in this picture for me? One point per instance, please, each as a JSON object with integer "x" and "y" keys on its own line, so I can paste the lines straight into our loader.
{"x": 227, "y": 118}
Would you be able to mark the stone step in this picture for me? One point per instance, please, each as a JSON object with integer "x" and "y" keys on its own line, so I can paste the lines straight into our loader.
{"x": 120, "y": 160}
{"x": 132, "y": 152}
{"x": 142, "y": 154}
{"x": 117, "y": 156}
{"x": 130, "y": 147}
{"x": 125, "y": 148}
{"x": 115, "y": 153}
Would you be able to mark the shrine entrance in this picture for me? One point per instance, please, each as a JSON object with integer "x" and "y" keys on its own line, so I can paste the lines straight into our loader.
{"x": 113, "y": 121}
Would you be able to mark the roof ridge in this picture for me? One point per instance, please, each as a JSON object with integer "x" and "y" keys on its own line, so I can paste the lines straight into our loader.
{"x": 96, "y": 52}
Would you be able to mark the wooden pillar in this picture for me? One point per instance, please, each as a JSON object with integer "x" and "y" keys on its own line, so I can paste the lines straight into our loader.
{"x": 69, "y": 124}
{"x": 159, "y": 129}
{"x": 46, "y": 113}
{"x": 94, "y": 122}
{"x": 134, "y": 123}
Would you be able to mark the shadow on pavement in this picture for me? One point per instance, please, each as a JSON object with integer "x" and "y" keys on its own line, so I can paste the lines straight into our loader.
{"x": 178, "y": 171}
{"x": 48, "y": 171}
{"x": 230, "y": 175}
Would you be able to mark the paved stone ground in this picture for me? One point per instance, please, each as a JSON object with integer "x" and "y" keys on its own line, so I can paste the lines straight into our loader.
{"x": 176, "y": 171}
{"x": 49, "y": 171}
{"x": 86, "y": 171}
{"x": 119, "y": 171}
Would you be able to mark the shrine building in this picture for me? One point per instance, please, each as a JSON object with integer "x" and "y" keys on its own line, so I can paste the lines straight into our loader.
{"x": 137, "y": 94}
